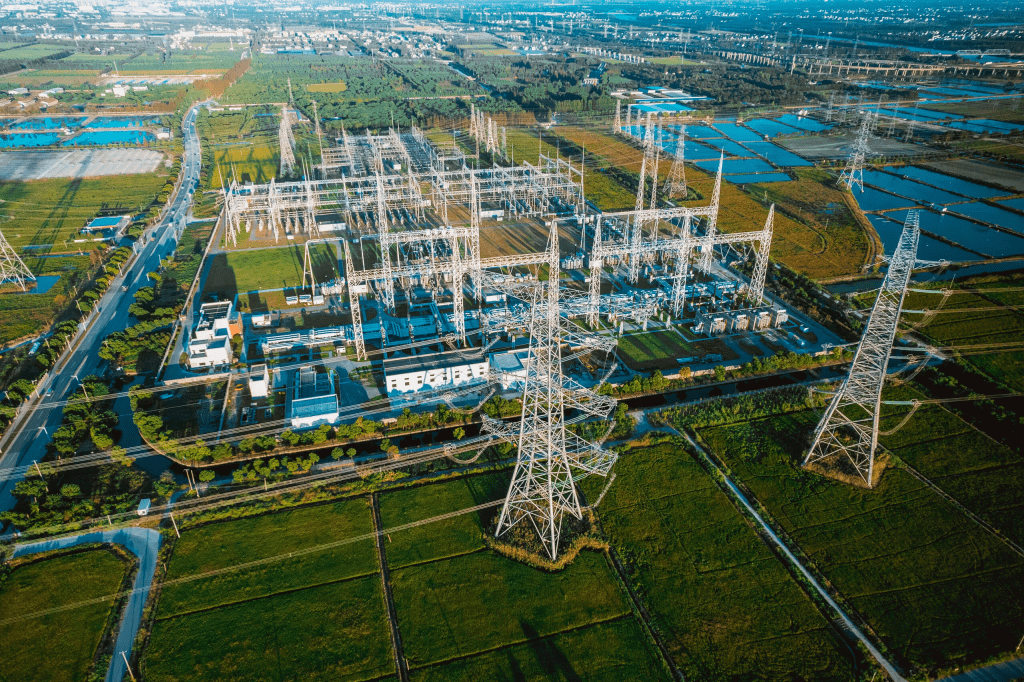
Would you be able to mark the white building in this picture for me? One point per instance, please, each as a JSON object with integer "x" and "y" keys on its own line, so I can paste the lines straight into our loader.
{"x": 259, "y": 381}
{"x": 210, "y": 343}
{"x": 313, "y": 399}
{"x": 426, "y": 372}
{"x": 510, "y": 367}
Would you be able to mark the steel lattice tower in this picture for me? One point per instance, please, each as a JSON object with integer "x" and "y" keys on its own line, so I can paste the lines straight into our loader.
{"x": 617, "y": 130}
{"x": 853, "y": 174}
{"x": 287, "y": 142}
{"x": 12, "y": 269}
{"x": 550, "y": 458}
{"x": 676, "y": 182}
{"x": 849, "y": 427}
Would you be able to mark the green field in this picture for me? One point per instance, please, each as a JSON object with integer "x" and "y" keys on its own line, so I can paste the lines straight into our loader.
{"x": 466, "y": 613}
{"x": 654, "y": 350}
{"x": 725, "y": 604}
{"x": 318, "y": 615}
{"x": 58, "y": 646}
{"x": 29, "y": 52}
{"x": 936, "y": 588}
{"x": 991, "y": 315}
{"x": 44, "y": 212}
{"x": 263, "y": 269}
{"x": 23, "y": 315}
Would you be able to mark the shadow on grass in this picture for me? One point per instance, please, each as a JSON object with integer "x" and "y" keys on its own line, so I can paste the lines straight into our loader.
{"x": 550, "y": 657}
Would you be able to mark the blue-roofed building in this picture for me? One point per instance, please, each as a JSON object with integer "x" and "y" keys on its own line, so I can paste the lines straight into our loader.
{"x": 313, "y": 399}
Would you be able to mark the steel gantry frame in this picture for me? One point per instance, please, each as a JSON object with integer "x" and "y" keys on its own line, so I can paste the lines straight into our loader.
{"x": 849, "y": 427}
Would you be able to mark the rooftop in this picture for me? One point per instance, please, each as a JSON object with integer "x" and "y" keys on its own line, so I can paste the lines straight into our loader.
{"x": 419, "y": 363}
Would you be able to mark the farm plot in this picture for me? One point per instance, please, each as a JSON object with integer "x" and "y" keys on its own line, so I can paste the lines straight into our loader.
{"x": 315, "y": 615}
{"x": 725, "y": 605}
{"x": 981, "y": 474}
{"x": 22, "y": 315}
{"x": 58, "y": 646}
{"x": 939, "y": 591}
{"x": 50, "y": 212}
{"x": 466, "y": 613}
{"x": 970, "y": 321}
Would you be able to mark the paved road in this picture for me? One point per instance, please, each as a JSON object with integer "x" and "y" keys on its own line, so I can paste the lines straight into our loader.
{"x": 143, "y": 543}
{"x": 26, "y": 440}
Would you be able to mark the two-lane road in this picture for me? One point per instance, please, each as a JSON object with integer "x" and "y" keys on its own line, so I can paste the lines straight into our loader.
{"x": 26, "y": 440}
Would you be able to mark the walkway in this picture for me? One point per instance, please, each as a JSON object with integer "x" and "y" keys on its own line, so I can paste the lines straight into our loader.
{"x": 143, "y": 543}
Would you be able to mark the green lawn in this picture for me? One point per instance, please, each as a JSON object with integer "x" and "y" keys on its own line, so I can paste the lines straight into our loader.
{"x": 218, "y": 545}
{"x": 940, "y": 591}
{"x": 477, "y": 602}
{"x": 263, "y": 269}
{"x": 331, "y": 632}
{"x": 43, "y": 212}
{"x": 59, "y": 646}
{"x": 451, "y": 537}
{"x": 725, "y": 604}
{"x": 654, "y": 350}
{"x": 613, "y": 651}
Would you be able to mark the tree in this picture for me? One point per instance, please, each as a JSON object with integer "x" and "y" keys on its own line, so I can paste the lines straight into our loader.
{"x": 385, "y": 445}
{"x": 207, "y": 475}
{"x": 459, "y": 433}
{"x": 351, "y": 452}
{"x": 70, "y": 490}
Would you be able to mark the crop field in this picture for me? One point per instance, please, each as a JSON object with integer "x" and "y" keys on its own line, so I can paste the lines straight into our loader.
{"x": 50, "y": 212}
{"x": 725, "y": 604}
{"x": 655, "y": 350}
{"x": 29, "y": 52}
{"x": 981, "y": 474}
{"x": 60, "y": 646}
{"x": 23, "y": 315}
{"x": 811, "y": 248}
{"x": 466, "y": 613}
{"x": 192, "y": 61}
{"x": 937, "y": 589}
{"x": 263, "y": 269}
{"x": 987, "y": 317}
{"x": 319, "y": 615}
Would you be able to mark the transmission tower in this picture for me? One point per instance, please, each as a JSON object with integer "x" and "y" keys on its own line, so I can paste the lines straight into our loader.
{"x": 550, "y": 458}
{"x": 676, "y": 182}
{"x": 12, "y": 269}
{"x": 287, "y": 142}
{"x": 617, "y": 129}
{"x": 849, "y": 427}
{"x": 853, "y": 174}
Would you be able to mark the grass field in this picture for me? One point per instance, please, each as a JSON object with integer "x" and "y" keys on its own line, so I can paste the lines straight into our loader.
{"x": 254, "y": 270}
{"x": 466, "y": 613}
{"x": 43, "y": 212}
{"x": 939, "y": 591}
{"x": 725, "y": 605}
{"x": 992, "y": 317}
{"x": 58, "y": 646}
{"x": 655, "y": 350}
{"x": 23, "y": 315}
{"x": 28, "y": 52}
{"x": 318, "y": 615}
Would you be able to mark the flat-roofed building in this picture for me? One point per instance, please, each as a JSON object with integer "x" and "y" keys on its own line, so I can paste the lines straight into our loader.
{"x": 259, "y": 381}
{"x": 427, "y": 372}
{"x": 314, "y": 399}
{"x": 510, "y": 367}
{"x": 210, "y": 342}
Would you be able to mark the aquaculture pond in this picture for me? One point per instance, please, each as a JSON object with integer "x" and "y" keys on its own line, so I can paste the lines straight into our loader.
{"x": 1013, "y": 203}
{"x": 777, "y": 155}
{"x": 110, "y": 137}
{"x": 21, "y": 140}
{"x": 946, "y": 182}
{"x": 920, "y": 113}
{"x": 738, "y": 133}
{"x": 696, "y": 131}
{"x": 909, "y": 188}
{"x": 927, "y": 248}
{"x": 121, "y": 122}
{"x": 757, "y": 177}
{"x": 771, "y": 128}
{"x": 876, "y": 200}
{"x": 737, "y": 166}
{"x": 967, "y": 234}
{"x": 983, "y": 126}
{"x": 991, "y": 214}
{"x": 729, "y": 147}
{"x": 47, "y": 123}
{"x": 803, "y": 123}
{"x": 694, "y": 151}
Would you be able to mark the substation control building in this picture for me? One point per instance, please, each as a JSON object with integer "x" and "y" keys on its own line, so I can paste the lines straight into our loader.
{"x": 210, "y": 342}
{"x": 428, "y": 372}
